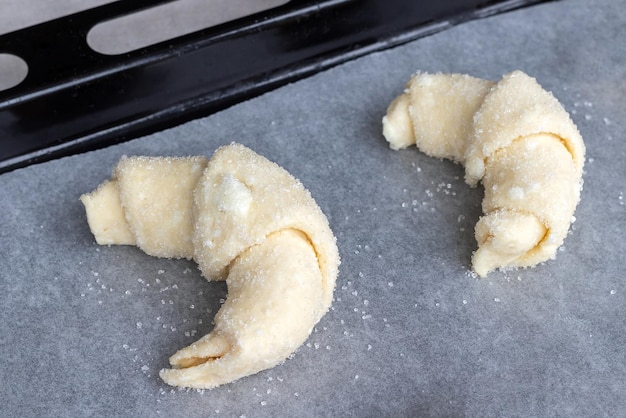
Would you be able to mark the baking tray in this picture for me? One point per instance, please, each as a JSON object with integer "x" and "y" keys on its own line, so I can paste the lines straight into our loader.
{"x": 411, "y": 333}
{"x": 75, "y": 99}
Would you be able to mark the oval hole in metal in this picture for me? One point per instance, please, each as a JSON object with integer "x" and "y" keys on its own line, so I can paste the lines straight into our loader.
{"x": 13, "y": 70}
{"x": 168, "y": 21}
{"x": 20, "y": 14}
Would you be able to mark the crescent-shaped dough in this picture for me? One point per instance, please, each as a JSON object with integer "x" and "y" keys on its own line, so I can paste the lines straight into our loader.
{"x": 244, "y": 219}
{"x": 264, "y": 319}
{"x": 517, "y": 139}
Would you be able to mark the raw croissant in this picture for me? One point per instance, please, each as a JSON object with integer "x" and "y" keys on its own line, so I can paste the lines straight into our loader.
{"x": 244, "y": 219}
{"x": 517, "y": 139}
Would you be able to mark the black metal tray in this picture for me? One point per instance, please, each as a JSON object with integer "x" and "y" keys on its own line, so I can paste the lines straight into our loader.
{"x": 75, "y": 99}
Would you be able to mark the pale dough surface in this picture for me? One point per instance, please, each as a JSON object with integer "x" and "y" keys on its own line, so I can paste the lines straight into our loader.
{"x": 274, "y": 299}
{"x": 243, "y": 219}
{"x": 242, "y": 198}
{"x": 514, "y": 137}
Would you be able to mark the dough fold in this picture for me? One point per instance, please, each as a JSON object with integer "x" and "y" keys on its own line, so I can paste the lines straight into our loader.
{"x": 515, "y": 138}
{"x": 243, "y": 219}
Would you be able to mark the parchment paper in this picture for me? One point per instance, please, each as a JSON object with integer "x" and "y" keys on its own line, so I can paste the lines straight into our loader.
{"x": 84, "y": 329}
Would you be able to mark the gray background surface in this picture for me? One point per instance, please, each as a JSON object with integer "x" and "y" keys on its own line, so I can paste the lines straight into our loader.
{"x": 411, "y": 333}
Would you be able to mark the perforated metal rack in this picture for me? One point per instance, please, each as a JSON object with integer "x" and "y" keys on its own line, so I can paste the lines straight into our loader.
{"x": 75, "y": 99}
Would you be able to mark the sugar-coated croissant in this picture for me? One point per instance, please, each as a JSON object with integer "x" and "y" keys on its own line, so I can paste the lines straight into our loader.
{"x": 515, "y": 138}
{"x": 244, "y": 219}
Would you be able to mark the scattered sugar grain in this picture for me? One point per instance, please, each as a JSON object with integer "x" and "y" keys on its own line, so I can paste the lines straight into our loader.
{"x": 472, "y": 274}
